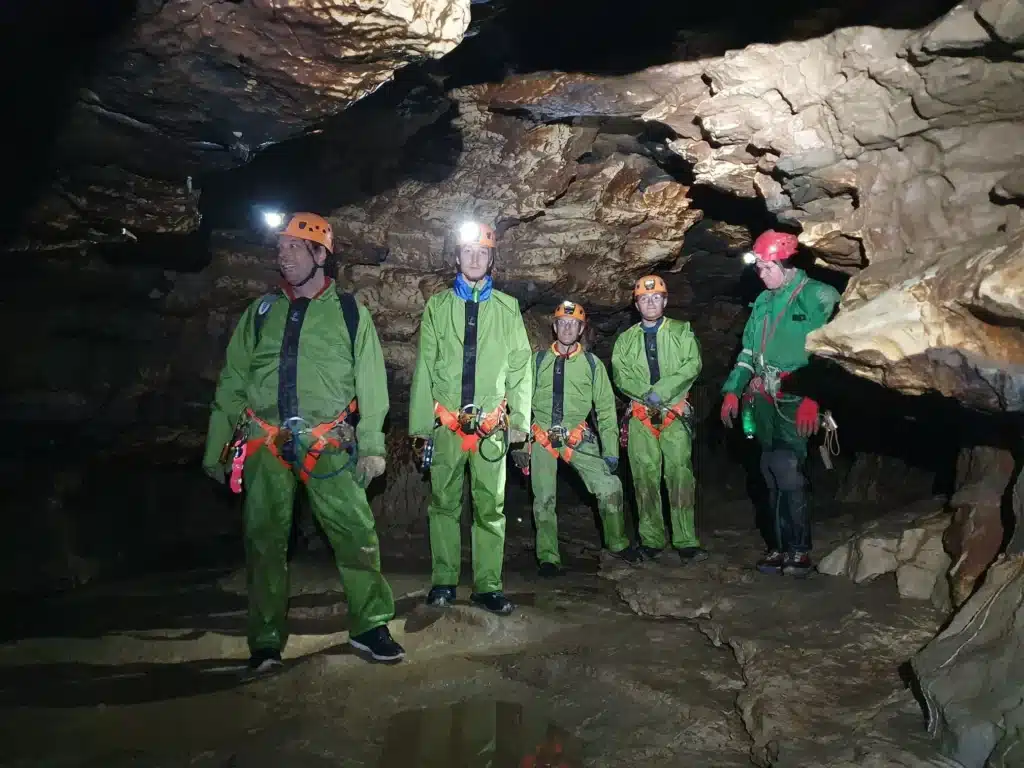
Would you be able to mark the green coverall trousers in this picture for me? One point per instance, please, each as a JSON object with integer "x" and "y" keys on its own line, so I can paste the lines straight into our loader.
{"x": 646, "y": 455}
{"x": 487, "y": 484}
{"x": 340, "y": 506}
{"x": 599, "y": 481}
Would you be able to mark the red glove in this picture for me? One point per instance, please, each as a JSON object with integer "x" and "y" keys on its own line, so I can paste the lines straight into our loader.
{"x": 730, "y": 409}
{"x": 807, "y": 417}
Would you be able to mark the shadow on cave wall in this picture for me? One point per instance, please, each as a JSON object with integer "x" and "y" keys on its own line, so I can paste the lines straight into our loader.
{"x": 48, "y": 48}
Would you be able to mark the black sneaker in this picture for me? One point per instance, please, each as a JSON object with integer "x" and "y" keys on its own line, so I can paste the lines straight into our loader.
{"x": 495, "y": 602}
{"x": 630, "y": 554}
{"x": 649, "y": 553}
{"x": 439, "y": 597}
{"x": 548, "y": 570}
{"x": 692, "y": 554}
{"x": 264, "y": 660}
{"x": 797, "y": 564}
{"x": 771, "y": 563}
{"x": 379, "y": 644}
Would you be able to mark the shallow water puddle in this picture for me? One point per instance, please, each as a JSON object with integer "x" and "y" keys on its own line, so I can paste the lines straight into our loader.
{"x": 477, "y": 733}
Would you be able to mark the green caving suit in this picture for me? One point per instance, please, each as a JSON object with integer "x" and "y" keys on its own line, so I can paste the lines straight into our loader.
{"x": 501, "y": 371}
{"x": 303, "y": 366}
{"x": 581, "y": 386}
{"x": 774, "y": 340}
{"x": 792, "y": 317}
{"x": 666, "y": 361}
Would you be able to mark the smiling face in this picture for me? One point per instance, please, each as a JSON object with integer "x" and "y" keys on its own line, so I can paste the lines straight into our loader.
{"x": 474, "y": 261}
{"x": 651, "y": 306}
{"x": 296, "y": 258}
{"x": 772, "y": 273}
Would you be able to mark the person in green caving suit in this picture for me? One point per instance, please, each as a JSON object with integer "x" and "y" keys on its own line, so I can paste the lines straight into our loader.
{"x": 654, "y": 363}
{"x": 471, "y": 388}
{"x": 773, "y": 348}
{"x": 299, "y": 368}
{"x": 569, "y": 381}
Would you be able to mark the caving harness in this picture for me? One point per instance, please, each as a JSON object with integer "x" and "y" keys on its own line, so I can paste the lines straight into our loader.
{"x": 767, "y": 382}
{"x": 657, "y": 418}
{"x": 470, "y": 421}
{"x": 559, "y": 441}
{"x": 296, "y": 444}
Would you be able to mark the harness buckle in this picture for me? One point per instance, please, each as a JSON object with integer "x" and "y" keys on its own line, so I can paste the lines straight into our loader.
{"x": 469, "y": 418}
{"x": 557, "y": 436}
{"x": 655, "y": 416}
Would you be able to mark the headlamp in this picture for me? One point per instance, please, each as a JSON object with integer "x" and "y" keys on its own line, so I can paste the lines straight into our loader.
{"x": 273, "y": 219}
{"x": 469, "y": 232}
{"x": 749, "y": 257}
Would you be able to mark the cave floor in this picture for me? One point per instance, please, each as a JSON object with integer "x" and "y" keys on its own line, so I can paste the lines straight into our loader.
{"x": 657, "y": 665}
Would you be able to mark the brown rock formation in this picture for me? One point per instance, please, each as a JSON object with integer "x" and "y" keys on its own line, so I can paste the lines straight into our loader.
{"x": 894, "y": 150}
{"x": 192, "y": 87}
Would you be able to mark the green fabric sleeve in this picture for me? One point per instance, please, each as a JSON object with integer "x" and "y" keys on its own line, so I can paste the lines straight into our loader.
{"x": 604, "y": 408}
{"x": 519, "y": 378}
{"x": 371, "y": 387}
{"x": 421, "y": 404}
{"x": 677, "y": 379}
{"x": 229, "y": 398}
{"x": 737, "y": 380}
{"x": 629, "y": 372}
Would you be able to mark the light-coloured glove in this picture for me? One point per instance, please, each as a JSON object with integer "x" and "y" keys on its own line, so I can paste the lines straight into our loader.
{"x": 369, "y": 467}
{"x": 517, "y": 436}
{"x": 217, "y": 472}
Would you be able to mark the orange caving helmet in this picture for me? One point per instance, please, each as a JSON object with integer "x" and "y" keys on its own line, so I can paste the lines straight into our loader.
{"x": 472, "y": 233}
{"x": 572, "y": 310}
{"x": 649, "y": 284}
{"x": 309, "y": 226}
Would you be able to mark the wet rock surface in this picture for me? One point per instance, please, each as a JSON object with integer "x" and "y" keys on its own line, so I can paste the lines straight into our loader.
{"x": 751, "y": 676}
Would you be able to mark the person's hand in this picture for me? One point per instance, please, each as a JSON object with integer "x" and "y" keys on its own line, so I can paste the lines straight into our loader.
{"x": 652, "y": 398}
{"x": 369, "y": 467}
{"x": 730, "y": 409}
{"x": 517, "y": 436}
{"x": 216, "y": 472}
{"x": 612, "y": 462}
{"x": 807, "y": 422}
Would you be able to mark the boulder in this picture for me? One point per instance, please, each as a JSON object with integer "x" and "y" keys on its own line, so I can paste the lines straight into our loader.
{"x": 907, "y": 543}
{"x": 970, "y": 674}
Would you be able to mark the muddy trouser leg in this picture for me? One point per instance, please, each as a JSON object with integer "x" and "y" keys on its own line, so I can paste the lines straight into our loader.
{"x": 608, "y": 489}
{"x": 645, "y": 465}
{"x": 447, "y": 473}
{"x": 487, "y": 482}
{"x": 340, "y": 506}
{"x": 543, "y": 479}
{"x": 270, "y": 494}
{"x": 677, "y": 448}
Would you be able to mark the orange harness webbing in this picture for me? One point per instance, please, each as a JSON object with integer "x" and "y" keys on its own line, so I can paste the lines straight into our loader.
{"x": 573, "y": 438}
{"x": 275, "y": 437}
{"x": 642, "y": 414}
{"x": 470, "y": 440}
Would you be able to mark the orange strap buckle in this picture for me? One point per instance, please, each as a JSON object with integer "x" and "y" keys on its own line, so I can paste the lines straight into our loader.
{"x": 568, "y": 442}
{"x": 673, "y": 412}
{"x": 276, "y": 438}
{"x": 462, "y": 423}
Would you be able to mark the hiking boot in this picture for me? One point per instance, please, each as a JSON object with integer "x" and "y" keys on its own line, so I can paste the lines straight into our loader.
{"x": 440, "y": 597}
{"x": 548, "y": 570}
{"x": 649, "y": 553}
{"x": 264, "y": 660}
{"x": 771, "y": 562}
{"x": 797, "y": 564}
{"x": 692, "y": 554}
{"x": 379, "y": 644}
{"x": 495, "y": 602}
{"x": 630, "y": 554}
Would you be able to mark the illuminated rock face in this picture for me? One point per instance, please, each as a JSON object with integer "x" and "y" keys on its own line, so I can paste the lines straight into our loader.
{"x": 191, "y": 87}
